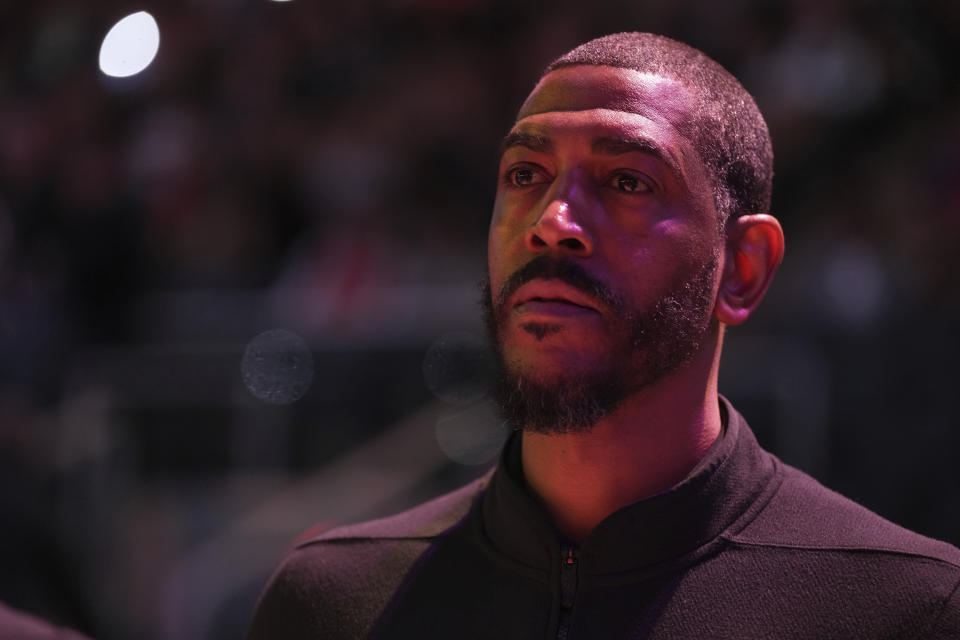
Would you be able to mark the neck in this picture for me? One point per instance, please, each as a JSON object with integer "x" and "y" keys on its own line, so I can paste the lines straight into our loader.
{"x": 647, "y": 446}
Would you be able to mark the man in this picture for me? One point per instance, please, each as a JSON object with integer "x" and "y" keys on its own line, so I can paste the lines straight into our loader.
{"x": 628, "y": 231}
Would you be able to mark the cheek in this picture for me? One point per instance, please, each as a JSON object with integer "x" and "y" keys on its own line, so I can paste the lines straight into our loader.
{"x": 664, "y": 260}
{"x": 504, "y": 246}
{"x": 495, "y": 249}
{"x": 503, "y": 222}
{"x": 686, "y": 243}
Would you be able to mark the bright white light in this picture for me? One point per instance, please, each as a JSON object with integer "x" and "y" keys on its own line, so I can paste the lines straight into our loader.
{"x": 130, "y": 45}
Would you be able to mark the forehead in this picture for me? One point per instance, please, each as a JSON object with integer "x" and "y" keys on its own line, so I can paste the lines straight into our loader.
{"x": 596, "y": 104}
{"x": 583, "y": 88}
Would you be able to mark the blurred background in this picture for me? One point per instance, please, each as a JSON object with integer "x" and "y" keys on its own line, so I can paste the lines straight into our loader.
{"x": 238, "y": 288}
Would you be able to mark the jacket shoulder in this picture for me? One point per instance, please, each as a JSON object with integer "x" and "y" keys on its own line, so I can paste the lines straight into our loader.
{"x": 427, "y": 520}
{"x": 337, "y": 583}
{"x": 805, "y": 514}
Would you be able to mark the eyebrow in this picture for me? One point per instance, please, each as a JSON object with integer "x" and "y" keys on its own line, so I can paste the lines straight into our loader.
{"x": 615, "y": 146}
{"x": 608, "y": 146}
{"x": 541, "y": 144}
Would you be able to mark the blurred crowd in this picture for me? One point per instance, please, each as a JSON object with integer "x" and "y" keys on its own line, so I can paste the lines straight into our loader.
{"x": 330, "y": 168}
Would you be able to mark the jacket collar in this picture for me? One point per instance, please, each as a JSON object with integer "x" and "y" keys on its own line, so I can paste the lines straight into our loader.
{"x": 716, "y": 496}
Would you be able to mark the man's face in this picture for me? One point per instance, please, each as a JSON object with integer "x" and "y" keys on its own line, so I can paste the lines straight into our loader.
{"x": 603, "y": 246}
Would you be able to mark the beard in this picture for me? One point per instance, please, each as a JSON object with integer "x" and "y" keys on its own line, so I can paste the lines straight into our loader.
{"x": 649, "y": 343}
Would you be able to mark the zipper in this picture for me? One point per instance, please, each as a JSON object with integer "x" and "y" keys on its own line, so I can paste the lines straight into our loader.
{"x": 568, "y": 589}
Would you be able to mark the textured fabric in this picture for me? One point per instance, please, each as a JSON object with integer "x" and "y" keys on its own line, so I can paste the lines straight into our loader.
{"x": 745, "y": 547}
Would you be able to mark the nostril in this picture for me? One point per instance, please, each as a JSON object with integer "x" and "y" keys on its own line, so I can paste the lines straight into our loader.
{"x": 573, "y": 244}
{"x": 537, "y": 241}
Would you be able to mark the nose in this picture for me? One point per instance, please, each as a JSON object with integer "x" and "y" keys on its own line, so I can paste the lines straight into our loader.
{"x": 558, "y": 230}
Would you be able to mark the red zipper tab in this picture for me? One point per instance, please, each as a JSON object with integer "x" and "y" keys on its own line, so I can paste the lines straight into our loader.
{"x": 568, "y": 578}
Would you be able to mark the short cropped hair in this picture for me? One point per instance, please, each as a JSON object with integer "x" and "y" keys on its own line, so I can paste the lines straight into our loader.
{"x": 728, "y": 130}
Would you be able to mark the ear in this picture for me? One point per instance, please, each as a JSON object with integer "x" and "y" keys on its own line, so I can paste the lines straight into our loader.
{"x": 754, "y": 251}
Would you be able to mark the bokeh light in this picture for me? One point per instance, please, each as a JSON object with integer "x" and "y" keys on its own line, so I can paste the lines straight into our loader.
{"x": 458, "y": 367}
{"x": 856, "y": 286}
{"x": 472, "y": 436}
{"x": 277, "y": 367}
{"x": 130, "y": 45}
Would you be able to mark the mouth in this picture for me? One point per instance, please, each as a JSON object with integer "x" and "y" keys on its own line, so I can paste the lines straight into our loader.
{"x": 559, "y": 308}
{"x": 552, "y": 298}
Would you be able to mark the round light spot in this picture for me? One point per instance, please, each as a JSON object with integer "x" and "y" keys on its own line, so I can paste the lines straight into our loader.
{"x": 130, "y": 45}
{"x": 277, "y": 367}
{"x": 855, "y": 285}
{"x": 473, "y": 435}
{"x": 458, "y": 367}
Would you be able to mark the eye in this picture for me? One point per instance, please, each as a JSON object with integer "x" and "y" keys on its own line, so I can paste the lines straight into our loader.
{"x": 629, "y": 183}
{"x": 524, "y": 177}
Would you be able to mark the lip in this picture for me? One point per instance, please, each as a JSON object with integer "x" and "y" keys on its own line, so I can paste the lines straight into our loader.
{"x": 552, "y": 297}
{"x": 551, "y": 309}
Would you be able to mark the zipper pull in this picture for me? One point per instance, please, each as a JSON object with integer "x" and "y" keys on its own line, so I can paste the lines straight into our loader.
{"x": 568, "y": 578}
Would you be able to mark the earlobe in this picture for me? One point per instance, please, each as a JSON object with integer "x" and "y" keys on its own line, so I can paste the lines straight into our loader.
{"x": 755, "y": 246}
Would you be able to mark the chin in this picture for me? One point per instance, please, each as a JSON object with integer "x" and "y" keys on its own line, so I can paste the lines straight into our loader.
{"x": 556, "y": 398}
{"x": 556, "y": 369}
{"x": 552, "y": 361}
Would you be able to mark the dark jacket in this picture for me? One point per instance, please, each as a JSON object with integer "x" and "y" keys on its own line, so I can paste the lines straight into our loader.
{"x": 744, "y": 548}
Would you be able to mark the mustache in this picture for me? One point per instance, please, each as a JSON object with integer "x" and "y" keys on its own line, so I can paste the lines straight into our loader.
{"x": 567, "y": 271}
